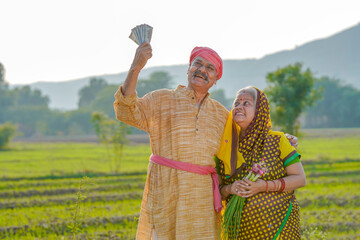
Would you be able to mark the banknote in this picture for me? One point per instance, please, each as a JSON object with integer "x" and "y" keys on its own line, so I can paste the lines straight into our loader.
{"x": 141, "y": 33}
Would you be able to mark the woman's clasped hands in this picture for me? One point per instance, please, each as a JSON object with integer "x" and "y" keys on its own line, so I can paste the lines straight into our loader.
{"x": 246, "y": 188}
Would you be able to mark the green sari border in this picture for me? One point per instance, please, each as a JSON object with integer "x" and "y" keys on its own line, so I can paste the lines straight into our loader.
{"x": 284, "y": 222}
{"x": 290, "y": 159}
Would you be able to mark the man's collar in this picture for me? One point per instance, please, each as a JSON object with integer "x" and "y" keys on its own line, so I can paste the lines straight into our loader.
{"x": 188, "y": 92}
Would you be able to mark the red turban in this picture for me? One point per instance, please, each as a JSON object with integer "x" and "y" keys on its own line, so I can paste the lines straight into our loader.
{"x": 210, "y": 55}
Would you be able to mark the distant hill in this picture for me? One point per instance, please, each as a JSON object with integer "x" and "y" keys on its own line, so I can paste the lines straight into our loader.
{"x": 335, "y": 56}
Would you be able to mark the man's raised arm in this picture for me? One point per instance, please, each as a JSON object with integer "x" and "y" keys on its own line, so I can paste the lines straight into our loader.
{"x": 142, "y": 55}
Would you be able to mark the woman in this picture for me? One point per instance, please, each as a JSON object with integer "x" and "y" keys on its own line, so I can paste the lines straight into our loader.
{"x": 270, "y": 210}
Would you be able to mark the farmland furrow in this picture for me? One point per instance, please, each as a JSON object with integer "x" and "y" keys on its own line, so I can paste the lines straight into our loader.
{"x": 18, "y": 185}
{"x": 73, "y": 175}
{"x": 62, "y": 191}
{"x": 62, "y": 228}
{"x": 340, "y": 174}
{"x": 330, "y": 200}
{"x": 71, "y": 200}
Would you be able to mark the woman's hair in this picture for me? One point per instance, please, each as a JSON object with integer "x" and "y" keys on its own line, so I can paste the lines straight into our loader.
{"x": 250, "y": 90}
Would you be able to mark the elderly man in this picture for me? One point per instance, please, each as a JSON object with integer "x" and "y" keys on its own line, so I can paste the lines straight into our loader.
{"x": 185, "y": 126}
{"x": 181, "y": 197}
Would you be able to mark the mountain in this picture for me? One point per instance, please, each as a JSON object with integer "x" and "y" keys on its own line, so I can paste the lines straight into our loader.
{"x": 336, "y": 56}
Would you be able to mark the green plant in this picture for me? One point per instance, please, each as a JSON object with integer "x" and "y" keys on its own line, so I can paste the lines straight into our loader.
{"x": 77, "y": 216}
{"x": 313, "y": 233}
{"x": 7, "y": 131}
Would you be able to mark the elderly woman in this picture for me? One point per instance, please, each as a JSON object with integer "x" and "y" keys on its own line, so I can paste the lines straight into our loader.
{"x": 270, "y": 210}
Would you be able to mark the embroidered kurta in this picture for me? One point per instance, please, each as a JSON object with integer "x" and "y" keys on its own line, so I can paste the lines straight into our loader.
{"x": 176, "y": 203}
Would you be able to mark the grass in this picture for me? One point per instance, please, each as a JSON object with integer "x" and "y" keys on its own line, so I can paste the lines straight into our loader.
{"x": 39, "y": 185}
{"x": 330, "y": 149}
{"x": 49, "y": 160}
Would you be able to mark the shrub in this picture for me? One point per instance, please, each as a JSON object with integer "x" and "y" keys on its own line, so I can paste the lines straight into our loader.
{"x": 7, "y": 131}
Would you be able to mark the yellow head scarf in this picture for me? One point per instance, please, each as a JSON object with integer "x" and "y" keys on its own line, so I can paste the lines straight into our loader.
{"x": 226, "y": 144}
{"x": 259, "y": 127}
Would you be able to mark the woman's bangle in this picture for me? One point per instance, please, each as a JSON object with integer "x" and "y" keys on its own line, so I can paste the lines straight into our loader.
{"x": 274, "y": 185}
{"x": 282, "y": 184}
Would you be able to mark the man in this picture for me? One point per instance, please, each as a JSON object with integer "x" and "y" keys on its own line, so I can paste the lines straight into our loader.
{"x": 185, "y": 126}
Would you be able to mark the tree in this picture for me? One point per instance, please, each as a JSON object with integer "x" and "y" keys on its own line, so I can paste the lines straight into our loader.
{"x": 339, "y": 106}
{"x": 3, "y": 83}
{"x": 105, "y": 98}
{"x": 88, "y": 94}
{"x": 25, "y": 96}
{"x": 104, "y": 101}
{"x": 5, "y": 99}
{"x": 25, "y": 107}
{"x": 290, "y": 91}
{"x": 13, "y": 101}
{"x": 7, "y": 131}
{"x": 157, "y": 80}
{"x": 220, "y": 96}
{"x": 79, "y": 122}
{"x": 31, "y": 120}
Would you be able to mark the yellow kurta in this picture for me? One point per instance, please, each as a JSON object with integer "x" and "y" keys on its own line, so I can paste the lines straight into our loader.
{"x": 176, "y": 203}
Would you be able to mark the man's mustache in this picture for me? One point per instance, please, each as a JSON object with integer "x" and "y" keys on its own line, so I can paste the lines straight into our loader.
{"x": 197, "y": 72}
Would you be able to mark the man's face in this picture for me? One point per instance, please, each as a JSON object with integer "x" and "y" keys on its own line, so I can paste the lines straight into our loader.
{"x": 201, "y": 74}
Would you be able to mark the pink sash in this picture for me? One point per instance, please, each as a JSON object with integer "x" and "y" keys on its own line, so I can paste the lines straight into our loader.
{"x": 189, "y": 167}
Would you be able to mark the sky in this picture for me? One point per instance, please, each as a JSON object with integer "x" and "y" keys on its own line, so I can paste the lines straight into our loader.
{"x": 61, "y": 40}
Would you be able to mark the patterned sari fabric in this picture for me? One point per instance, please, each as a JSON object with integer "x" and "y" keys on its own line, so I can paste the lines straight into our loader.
{"x": 266, "y": 215}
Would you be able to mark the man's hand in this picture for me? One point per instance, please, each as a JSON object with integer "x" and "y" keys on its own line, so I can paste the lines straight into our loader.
{"x": 293, "y": 140}
{"x": 142, "y": 55}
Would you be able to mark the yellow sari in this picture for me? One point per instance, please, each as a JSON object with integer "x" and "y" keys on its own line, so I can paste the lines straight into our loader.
{"x": 266, "y": 215}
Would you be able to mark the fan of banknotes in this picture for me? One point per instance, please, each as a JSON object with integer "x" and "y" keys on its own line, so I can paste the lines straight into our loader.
{"x": 141, "y": 33}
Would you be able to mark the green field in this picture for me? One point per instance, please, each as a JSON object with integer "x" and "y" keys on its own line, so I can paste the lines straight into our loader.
{"x": 40, "y": 184}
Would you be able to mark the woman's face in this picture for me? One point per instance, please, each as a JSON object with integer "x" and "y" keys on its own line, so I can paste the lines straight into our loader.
{"x": 244, "y": 110}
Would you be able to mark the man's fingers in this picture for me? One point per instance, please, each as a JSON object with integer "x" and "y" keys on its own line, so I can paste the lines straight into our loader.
{"x": 145, "y": 46}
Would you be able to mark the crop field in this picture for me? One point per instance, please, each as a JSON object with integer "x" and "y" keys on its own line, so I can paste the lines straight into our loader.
{"x": 44, "y": 193}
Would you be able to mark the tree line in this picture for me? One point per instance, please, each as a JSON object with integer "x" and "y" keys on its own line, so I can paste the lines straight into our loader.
{"x": 292, "y": 92}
